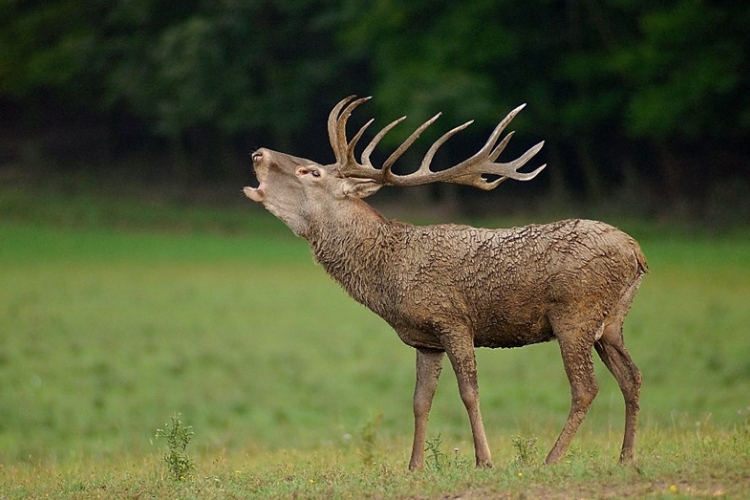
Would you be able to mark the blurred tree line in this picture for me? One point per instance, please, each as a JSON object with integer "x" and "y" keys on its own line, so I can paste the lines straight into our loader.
{"x": 632, "y": 96}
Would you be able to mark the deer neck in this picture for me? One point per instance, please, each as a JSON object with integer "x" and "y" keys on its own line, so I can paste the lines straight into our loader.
{"x": 352, "y": 246}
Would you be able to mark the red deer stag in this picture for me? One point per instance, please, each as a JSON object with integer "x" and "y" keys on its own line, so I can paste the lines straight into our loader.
{"x": 451, "y": 288}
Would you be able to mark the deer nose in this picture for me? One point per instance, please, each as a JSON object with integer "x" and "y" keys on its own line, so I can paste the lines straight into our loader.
{"x": 257, "y": 156}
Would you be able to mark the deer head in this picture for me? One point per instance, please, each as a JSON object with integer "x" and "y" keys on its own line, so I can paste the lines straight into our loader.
{"x": 297, "y": 190}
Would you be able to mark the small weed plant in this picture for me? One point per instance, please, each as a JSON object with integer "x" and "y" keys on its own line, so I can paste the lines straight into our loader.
{"x": 437, "y": 460}
{"x": 369, "y": 435}
{"x": 526, "y": 450}
{"x": 178, "y": 436}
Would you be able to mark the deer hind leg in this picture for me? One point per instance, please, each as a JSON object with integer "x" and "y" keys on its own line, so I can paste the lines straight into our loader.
{"x": 611, "y": 350}
{"x": 429, "y": 366}
{"x": 460, "y": 349}
{"x": 579, "y": 367}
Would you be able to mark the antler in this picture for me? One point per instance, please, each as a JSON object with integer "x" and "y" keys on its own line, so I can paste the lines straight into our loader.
{"x": 470, "y": 172}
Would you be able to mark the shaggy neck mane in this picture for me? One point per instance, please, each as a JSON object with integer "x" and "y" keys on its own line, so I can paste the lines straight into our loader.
{"x": 353, "y": 246}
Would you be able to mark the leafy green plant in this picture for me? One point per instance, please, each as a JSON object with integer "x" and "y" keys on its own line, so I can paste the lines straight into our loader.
{"x": 369, "y": 435}
{"x": 526, "y": 450}
{"x": 178, "y": 436}
{"x": 436, "y": 459}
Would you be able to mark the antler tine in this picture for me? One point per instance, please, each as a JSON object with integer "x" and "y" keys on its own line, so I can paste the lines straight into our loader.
{"x": 375, "y": 140}
{"x": 343, "y": 155}
{"x": 510, "y": 170}
{"x": 494, "y": 136}
{"x": 521, "y": 161}
{"x": 487, "y": 185}
{"x": 406, "y": 144}
{"x": 427, "y": 160}
{"x": 355, "y": 139}
{"x": 337, "y": 127}
{"x": 505, "y": 171}
{"x": 333, "y": 136}
{"x": 499, "y": 130}
{"x": 500, "y": 147}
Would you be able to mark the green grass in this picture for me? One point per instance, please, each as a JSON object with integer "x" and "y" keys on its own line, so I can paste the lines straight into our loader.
{"x": 109, "y": 324}
{"x": 676, "y": 463}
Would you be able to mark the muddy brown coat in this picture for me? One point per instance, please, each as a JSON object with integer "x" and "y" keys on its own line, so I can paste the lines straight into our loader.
{"x": 451, "y": 288}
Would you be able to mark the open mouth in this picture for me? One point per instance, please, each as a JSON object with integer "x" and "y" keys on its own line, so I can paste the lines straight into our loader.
{"x": 256, "y": 194}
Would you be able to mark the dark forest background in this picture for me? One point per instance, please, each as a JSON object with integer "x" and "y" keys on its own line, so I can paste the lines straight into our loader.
{"x": 644, "y": 106}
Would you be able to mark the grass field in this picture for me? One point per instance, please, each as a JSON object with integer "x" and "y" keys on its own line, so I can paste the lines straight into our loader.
{"x": 115, "y": 316}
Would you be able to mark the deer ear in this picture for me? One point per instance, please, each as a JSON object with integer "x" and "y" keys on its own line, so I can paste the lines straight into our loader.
{"x": 359, "y": 188}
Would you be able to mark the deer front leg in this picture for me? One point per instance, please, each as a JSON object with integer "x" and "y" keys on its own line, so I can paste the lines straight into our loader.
{"x": 460, "y": 349}
{"x": 429, "y": 366}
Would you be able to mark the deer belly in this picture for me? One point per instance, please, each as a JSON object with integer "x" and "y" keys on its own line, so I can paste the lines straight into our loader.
{"x": 515, "y": 335}
{"x": 419, "y": 338}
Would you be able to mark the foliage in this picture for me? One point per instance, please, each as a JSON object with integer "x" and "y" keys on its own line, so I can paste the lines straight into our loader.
{"x": 629, "y": 94}
{"x": 435, "y": 458}
{"x": 226, "y": 67}
{"x": 526, "y": 450}
{"x": 438, "y": 461}
{"x": 682, "y": 71}
{"x": 50, "y": 46}
{"x": 178, "y": 436}
{"x": 369, "y": 434}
